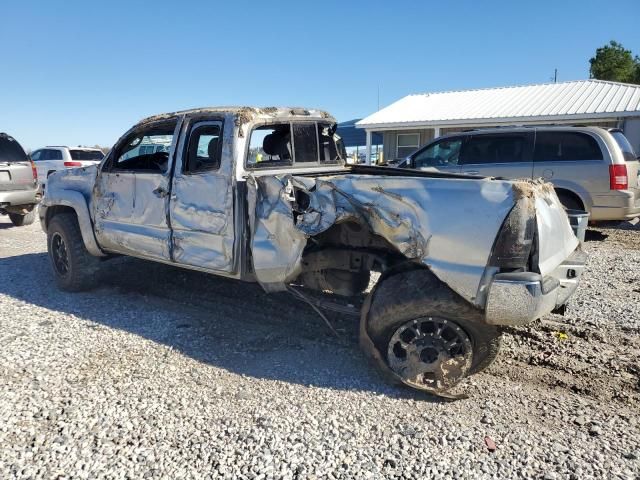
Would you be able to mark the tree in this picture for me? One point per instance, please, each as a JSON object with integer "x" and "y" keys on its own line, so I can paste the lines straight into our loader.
{"x": 105, "y": 150}
{"x": 614, "y": 62}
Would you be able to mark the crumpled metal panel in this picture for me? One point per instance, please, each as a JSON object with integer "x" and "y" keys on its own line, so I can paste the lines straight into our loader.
{"x": 554, "y": 227}
{"x": 447, "y": 224}
{"x": 202, "y": 213}
{"x": 130, "y": 217}
{"x": 72, "y": 188}
{"x": 276, "y": 244}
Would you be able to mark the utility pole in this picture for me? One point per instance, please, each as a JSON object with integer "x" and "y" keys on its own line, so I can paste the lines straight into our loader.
{"x": 555, "y": 75}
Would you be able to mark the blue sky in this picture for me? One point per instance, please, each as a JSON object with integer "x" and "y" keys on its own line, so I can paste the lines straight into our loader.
{"x": 82, "y": 73}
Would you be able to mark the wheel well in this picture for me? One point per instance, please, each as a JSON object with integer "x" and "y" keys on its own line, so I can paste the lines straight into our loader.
{"x": 57, "y": 210}
{"x": 355, "y": 237}
{"x": 342, "y": 258}
{"x": 563, "y": 192}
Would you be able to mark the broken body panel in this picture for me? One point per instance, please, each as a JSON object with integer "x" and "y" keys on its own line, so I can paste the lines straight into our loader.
{"x": 250, "y": 223}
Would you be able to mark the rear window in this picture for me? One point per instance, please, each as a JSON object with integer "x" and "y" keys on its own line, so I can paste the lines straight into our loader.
{"x": 11, "y": 151}
{"x": 86, "y": 155}
{"x": 290, "y": 144}
{"x": 565, "y": 147}
{"x": 625, "y": 146}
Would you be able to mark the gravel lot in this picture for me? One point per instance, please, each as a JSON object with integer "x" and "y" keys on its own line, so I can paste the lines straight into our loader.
{"x": 162, "y": 373}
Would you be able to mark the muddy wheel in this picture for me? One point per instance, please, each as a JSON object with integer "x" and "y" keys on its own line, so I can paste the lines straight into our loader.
{"x": 427, "y": 335}
{"x": 74, "y": 268}
{"x": 21, "y": 220}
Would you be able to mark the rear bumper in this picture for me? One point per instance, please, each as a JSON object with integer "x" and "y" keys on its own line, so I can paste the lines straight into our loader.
{"x": 618, "y": 205}
{"x": 519, "y": 298}
{"x": 13, "y": 198}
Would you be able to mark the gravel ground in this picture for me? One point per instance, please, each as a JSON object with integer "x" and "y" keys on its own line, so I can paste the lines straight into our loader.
{"x": 163, "y": 373}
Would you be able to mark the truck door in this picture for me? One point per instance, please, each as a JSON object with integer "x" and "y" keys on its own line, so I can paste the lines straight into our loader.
{"x": 201, "y": 208}
{"x": 132, "y": 193}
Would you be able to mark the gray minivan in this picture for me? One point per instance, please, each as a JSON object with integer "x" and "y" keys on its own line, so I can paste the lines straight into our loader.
{"x": 591, "y": 168}
{"x": 19, "y": 192}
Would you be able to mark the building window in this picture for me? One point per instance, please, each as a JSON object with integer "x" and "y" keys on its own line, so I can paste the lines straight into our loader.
{"x": 407, "y": 143}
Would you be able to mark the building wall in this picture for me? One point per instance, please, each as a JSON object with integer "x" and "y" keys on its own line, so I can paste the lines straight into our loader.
{"x": 390, "y": 140}
{"x": 631, "y": 130}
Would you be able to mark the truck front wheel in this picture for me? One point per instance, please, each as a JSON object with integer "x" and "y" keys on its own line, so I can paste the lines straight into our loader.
{"x": 425, "y": 334}
{"x": 74, "y": 268}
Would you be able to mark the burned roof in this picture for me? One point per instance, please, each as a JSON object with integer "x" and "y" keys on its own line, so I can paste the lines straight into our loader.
{"x": 244, "y": 114}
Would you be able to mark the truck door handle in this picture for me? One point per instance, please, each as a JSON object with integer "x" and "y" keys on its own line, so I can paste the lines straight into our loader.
{"x": 160, "y": 192}
{"x": 472, "y": 172}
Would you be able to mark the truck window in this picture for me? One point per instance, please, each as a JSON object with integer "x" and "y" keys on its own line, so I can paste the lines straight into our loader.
{"x": 305, "y": 142}
{"x": 204, "y": 150}
{"x": 146, "y": 150}
{"x": 272, "y": 145}
{"x": 565, "y": 147}
{"x": 331, "y": 146}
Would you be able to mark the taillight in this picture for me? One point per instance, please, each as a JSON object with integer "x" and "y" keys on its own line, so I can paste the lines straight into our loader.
{"x": 72, "y": 164}
{"x": 618, "y": 179}
{"x": 34, "y": 170}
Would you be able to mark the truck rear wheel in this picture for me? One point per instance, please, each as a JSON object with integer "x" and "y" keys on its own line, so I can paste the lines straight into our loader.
{"x": 74, "y": 268}
{"x": 20, "y": 220}
{"x": 428, "y": 337}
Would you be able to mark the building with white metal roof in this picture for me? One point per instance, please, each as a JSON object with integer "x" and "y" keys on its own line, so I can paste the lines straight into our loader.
{"x": 416, "y": 119}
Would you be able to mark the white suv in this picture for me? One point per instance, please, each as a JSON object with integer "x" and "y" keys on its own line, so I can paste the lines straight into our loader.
{"x": 52, "y": 159}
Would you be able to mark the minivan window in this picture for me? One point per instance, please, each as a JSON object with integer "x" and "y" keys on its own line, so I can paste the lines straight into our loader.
{"x": 498, "y": 148}
{"x": 627, "y": 150}
{"x": 565, "y": 147}
{"x": 86, "y": 155}
{"x": 441, "y": 154}
{"x": 11, "y": 151}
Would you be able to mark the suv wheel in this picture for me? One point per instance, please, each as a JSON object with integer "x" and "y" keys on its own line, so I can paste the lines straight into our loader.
{"x": 73, "y": 266}
{"x": 22, "y": 220}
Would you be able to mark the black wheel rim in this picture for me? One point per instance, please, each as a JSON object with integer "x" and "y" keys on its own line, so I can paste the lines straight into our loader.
{"x": 430, "y": 353}
{"x": 59, "y": 254}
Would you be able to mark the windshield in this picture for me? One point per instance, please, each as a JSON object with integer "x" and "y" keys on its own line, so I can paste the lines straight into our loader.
{"x": 86, "y": 155}
{"x": 292, "y": 144}
{"x": 625, "y": 146}
{"x": 10, "y": 150}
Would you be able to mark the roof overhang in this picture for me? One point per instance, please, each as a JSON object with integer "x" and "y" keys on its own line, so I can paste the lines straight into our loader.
{"x": 467, "y": 122}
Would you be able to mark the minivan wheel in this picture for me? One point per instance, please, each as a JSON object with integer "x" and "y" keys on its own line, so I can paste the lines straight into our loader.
{"x": 569, "y": 202}
{"x": 428, "y": 337}
{"x": 21, "y": 220}
{"x": 74, "y": 268}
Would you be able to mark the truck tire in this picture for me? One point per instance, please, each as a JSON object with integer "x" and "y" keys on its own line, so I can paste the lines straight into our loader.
{"x": 21, "y": 220}
{"x": 74, "y": 268}
{"x": 441, "y": 336}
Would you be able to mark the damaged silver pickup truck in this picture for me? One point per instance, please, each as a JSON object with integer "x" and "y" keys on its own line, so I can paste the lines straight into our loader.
{"x": 264, "y": 195}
